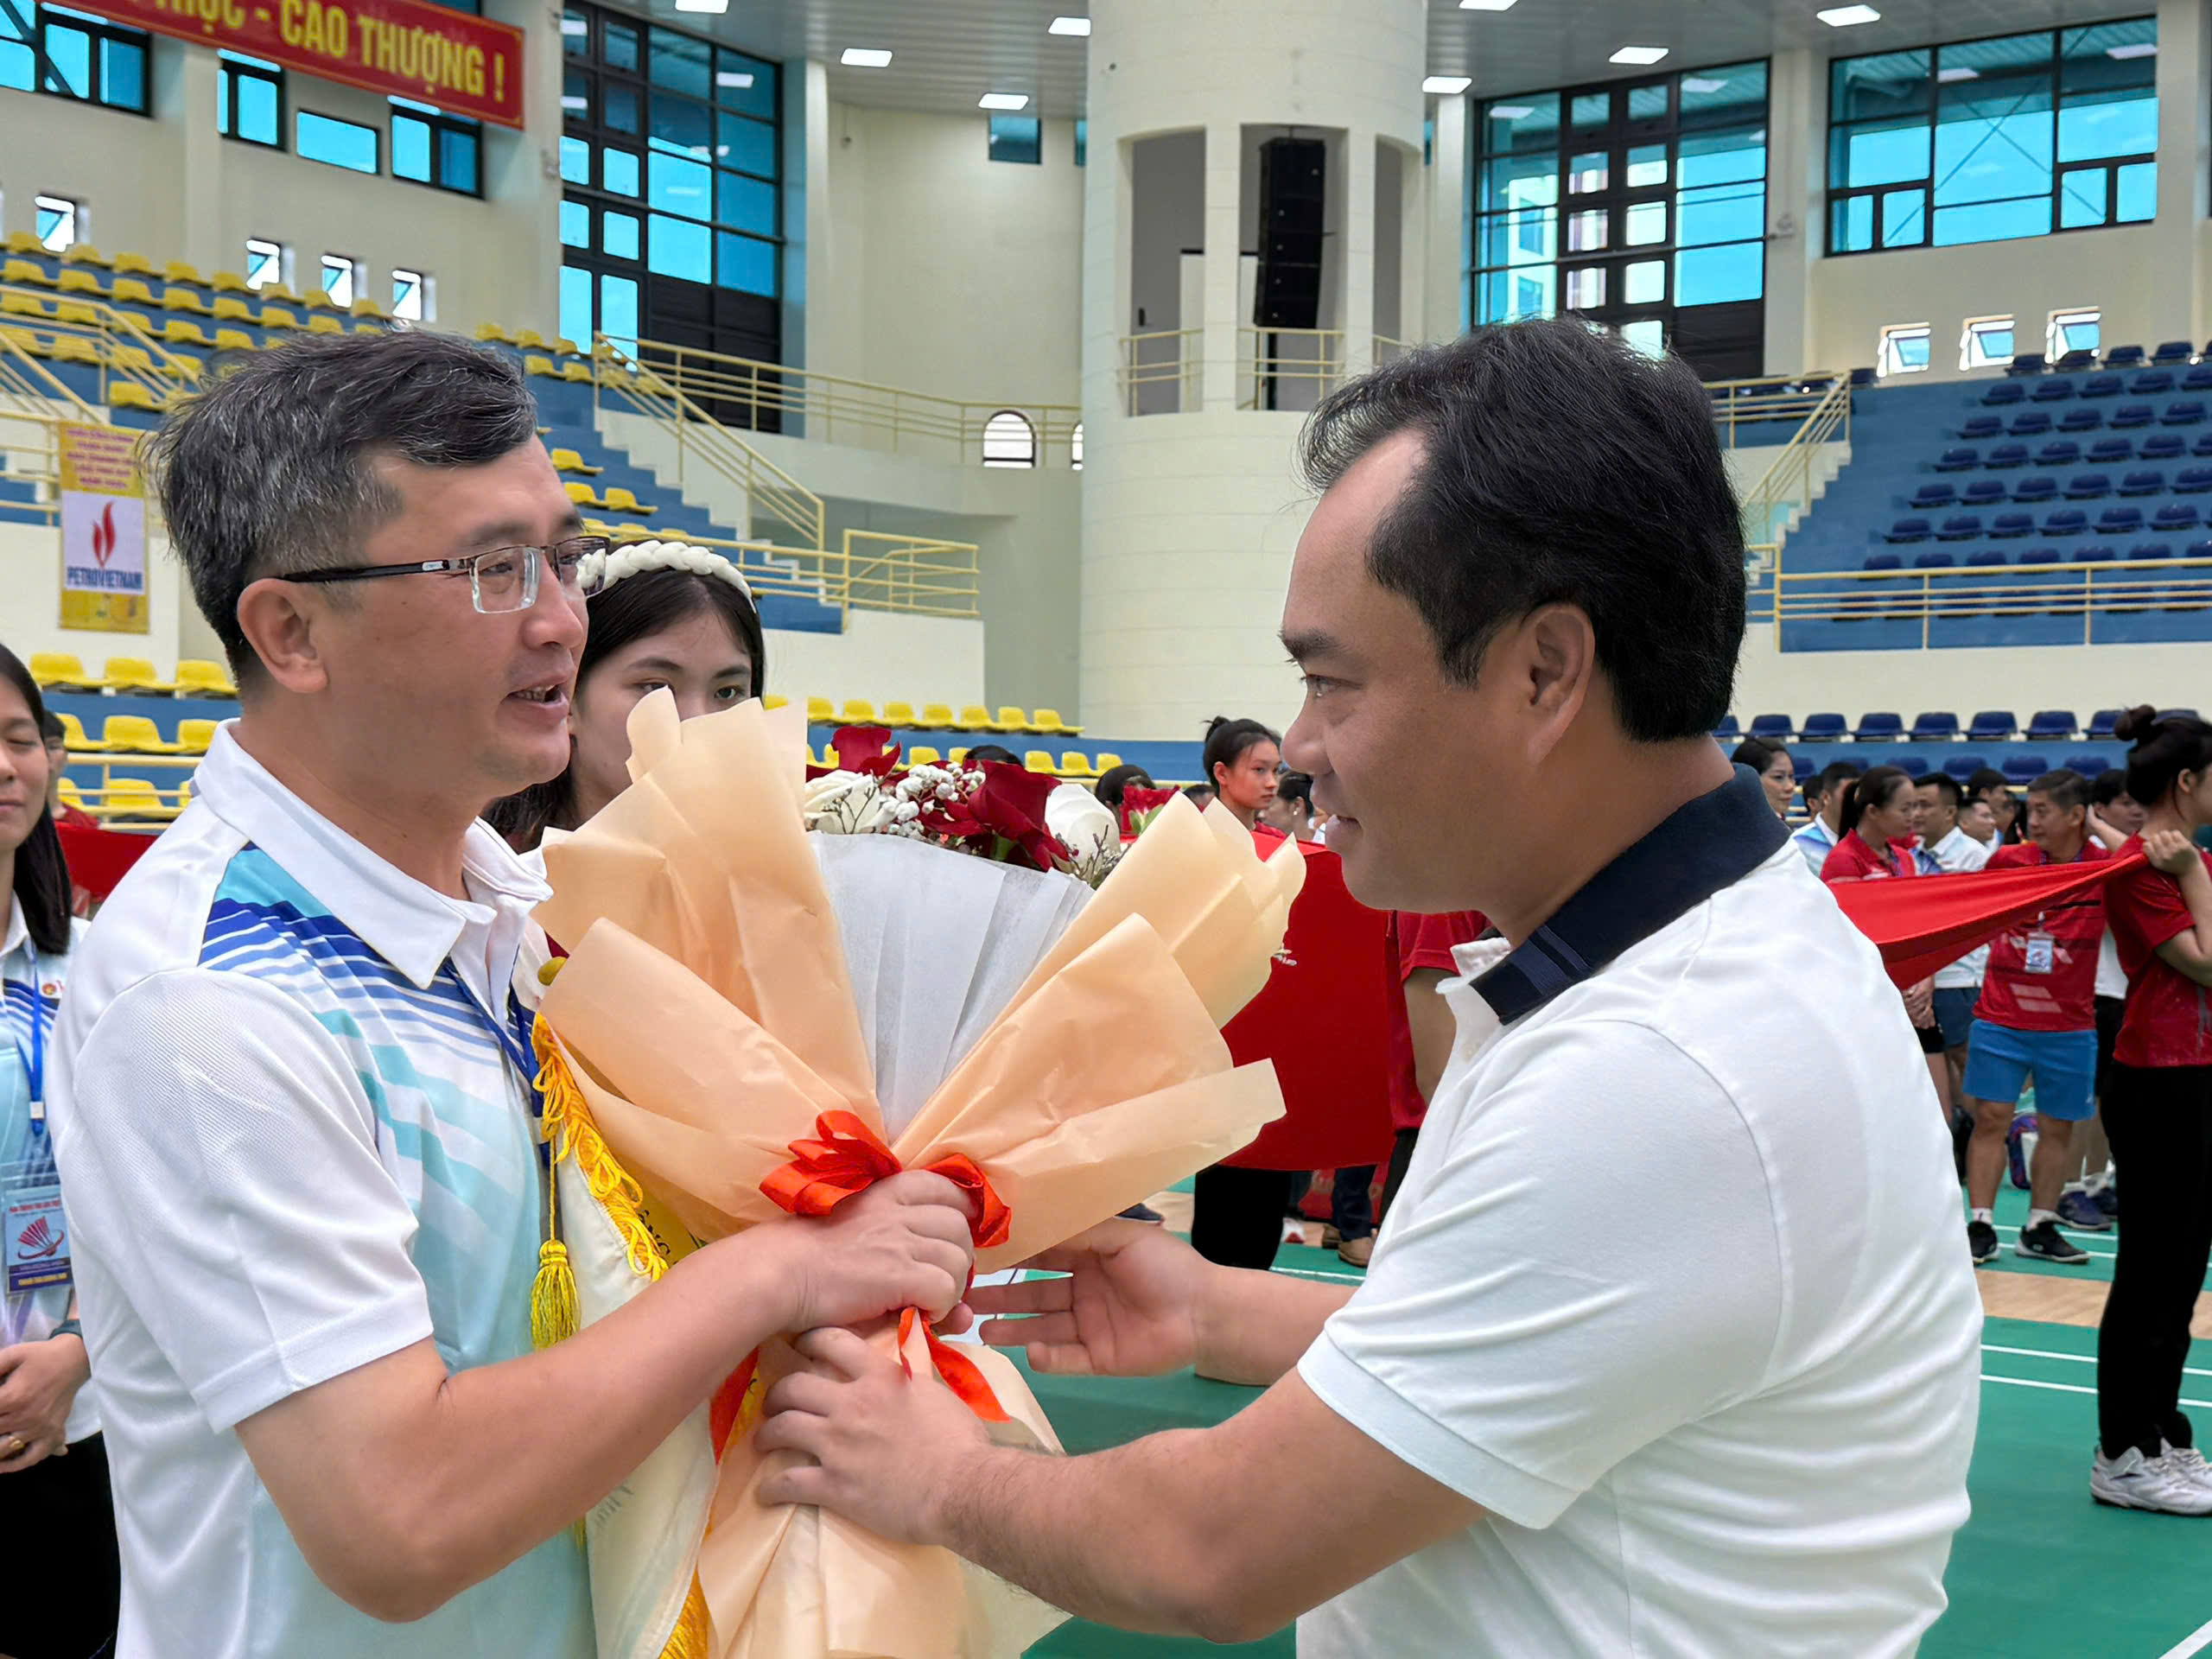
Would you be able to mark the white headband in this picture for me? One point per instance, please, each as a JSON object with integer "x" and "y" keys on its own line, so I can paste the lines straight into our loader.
{"x": 635, "y": 558}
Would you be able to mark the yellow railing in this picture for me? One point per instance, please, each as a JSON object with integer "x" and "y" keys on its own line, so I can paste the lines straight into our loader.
{"x": 831, "y": 409}
{"x": 1743, "y": 410}
{"x": 131, "y": 366}
{"x": 1164, "y": 358}
{"x": 1787, "y": 484}
{"x": 869, "y": 570}
{"x": 1288, "y": 368}
{"x": 30, "y": 448}
{"x": 2113, "y": 587}
{"x": 135, "y": 803}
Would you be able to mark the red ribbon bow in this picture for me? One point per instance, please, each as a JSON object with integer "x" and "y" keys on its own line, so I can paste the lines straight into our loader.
{"x": 846, "y": 1157}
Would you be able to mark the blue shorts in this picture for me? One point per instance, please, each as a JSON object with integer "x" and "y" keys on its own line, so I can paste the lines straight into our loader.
{"x": 1954, "y": 1012}
{"x": 2064, "y": 1064}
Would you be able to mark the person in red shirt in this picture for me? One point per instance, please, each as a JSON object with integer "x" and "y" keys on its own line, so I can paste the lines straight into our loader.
{"x": 1418, "y": 957}
{"x": 1877, "y": 822}
{"x": 2158, "y": 1114}
{"x": 2037, "y": 1018}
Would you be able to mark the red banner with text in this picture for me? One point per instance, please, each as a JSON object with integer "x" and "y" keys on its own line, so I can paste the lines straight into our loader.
{"x": 403, "y": 48}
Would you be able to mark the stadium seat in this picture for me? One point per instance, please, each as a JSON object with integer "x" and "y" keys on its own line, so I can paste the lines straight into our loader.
{"x": 2172, "y": 353}
{"x": 184, "y": 299}
{"x": 75, "y": 739}
{"x": 2103, "y": 722}
{"x": 2059, "y": 452}
{"x": 2003, "y": 393}
{"x": 1907, "y": 530}
{"x": 1933, "y": 561}
{"x": 2052, "y": 391}
{"x": 229, "y": 282}
{"x": 567, "y": 460}
{"x": 2088, "y": 486}
{"x": 1011, "y": 718}
{"x": 2102, "y": 386}
{"x": 2124, "y": 356}
{"x": 321, "y": 324}
{"x": 198, "y": 677}
{"x": 128, "y": 291}
{"x": 2164, "y": 445}
{"x": 936, "y": 717}
{"x": 2185, "y": 411}
{"x": 275, "y": 317}
{"x": 974, "y": 717}
{"x": 2079, "y": 419}
{"x": 2024, "y": 768}
{"x": 1982, "y": 428}
{"x": 1727, "y": 731}
{"x": 1935, "y": 727}
{"x": 193, "y": 736}
{"x": 1929, "y": 497}
{"x": 1958, "y": 460}
{"x": 2087, "y": 764}
{"x": 1048, "y": 721}
{"x": 2198, "y": 378}
{"x": 1912, "y": 766}
{"x": 135, "y": 735}
{"x": 1992, "y": 726}
{"x": 138, "y": 801}
{"x": 2119, "y": 521}
{"x": 1105, "y": 761}
{"x": 2150, "y": 382}
{"x": 1825, "y": 729}
{"x": 1959, "y": 527}
{"x": 183, "y": 331}
{"x": 2132, "y": 415}
{"x": 2074, "y": 362}
{"x": 2006, "y": 454}
{"x": 1768, "y": 727}
{"x": 857, "y": 711}
{"x": 1984, "y": 558}
{"x": 2193, "y": 480}
{"x": 899, "y": 713}
{"x": 1881, "y": 727}
{"x": 230, "y": 311}
{"x": 494, "y": 333}
{"x": 2175, "y": 518}
{"x": 2142, "y": 484}
{"x": 2025, "y": 363}
{"x": 1039, "y": 760}
{"x": 2202, "y": 450}
{"x": 233, "y": 340}
{"x": 2032, "y": 424}
{"x": 621, "y": 501}
{"x": 135, "y": 673}
{"x": 73, "y": 348}
{"x": 920, "y": 756}
{"x": 583, "y": 495}
{"x": 129, "y": 394}
{"x": 2111, "y": 452}
{"x": 2050, "y": 725}
{"x": 541, "y": 367}
{"x": 24, "y": 305}
{"x": 579, "y": 371}
{"x": 1962, "y": 766}
{"x": 80, "y": 282}
{"x": 1983, "y": 493}
{"x": 2012, "y": 523}
{"x": 1075, "y": 765}
{"x": 25, "y": 271}
{"x": 820, "y": 711}
{"x": 57, "y": 671}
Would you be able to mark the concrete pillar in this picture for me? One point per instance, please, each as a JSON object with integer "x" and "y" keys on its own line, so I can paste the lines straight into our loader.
{"x": 1796, "y": 203}
{"x": 1357, "y": 317}
{"x": 1443, "y": 312}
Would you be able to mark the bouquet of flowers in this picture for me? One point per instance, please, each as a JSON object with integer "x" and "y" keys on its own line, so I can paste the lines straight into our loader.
{"x": 754, "y": 1020}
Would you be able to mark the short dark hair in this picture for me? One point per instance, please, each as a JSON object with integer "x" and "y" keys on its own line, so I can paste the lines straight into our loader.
{"x": 1837, "y": 773}
{"x": 1115, "y": 781}
{"x": 1878, "y": 787}
{"x": 1296, "y": 786}
{"x": 2062, "y": 788}
{"x": 1229, "y": 741}
{"x": 1945, "y": 786}
{"x": 2165, "y": 746}
{"x": 2108, "y": 786}
{"x": 42, "y": 873}
{"x": 51, "y": 728}
{"x": 997, "y": 752}
{"x": 271, "y": 469}
{"x": 1757, "y": 754}
{"x": 1986, "y": 779}
{"x": 1199, "y": 792}
{"x": 1560, "y": 466}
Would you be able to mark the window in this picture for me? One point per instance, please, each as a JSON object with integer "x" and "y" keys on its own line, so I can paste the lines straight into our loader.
{"x": 1903, "y": 349}
{"x": 1009, "y": 440}
{"x": 250, "y": 101}
{"x": 337, "y": 143}
{"x": 61, "y": 223}
{"x": 411, "y": 298}
{"x": 265, "y": 263}
{"x": 1985, "y": 343}
{"x": 2077, "y": 330}
{"x": 87, "y": 58}
{"x": 431, "y": 147}
{"x": 1016, "y": 138}
{"x": 1082, "y": 141}
{"x": 1075, "y": 448}
{"x": 341, "y": 279}
{"x": 1986, "y": 141}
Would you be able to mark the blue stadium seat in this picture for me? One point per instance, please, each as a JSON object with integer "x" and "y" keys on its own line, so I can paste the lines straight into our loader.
{"x": 2056, "y": 390}
{"x": 2059, "y": 452}
{"x": 2119, "y": 521}
{"x": 2074, "y": 362}
{"x": 1828, "y": 727}
{"x": 1935, "y": 727}
{"x": 2082, "y": 419}
{"x": 2037, "y": 486}
{"x": 1983, "y": 493}
{"x": 1958, "y": 460}
{"x": 1992, "y": 726}
{"x": 1986, "y": 557}
{"x": 1929, "y": 497}
{"x": 2172, "y": 353}
{"x": 1879, "y": 561}
{"x": 1880, "y": 726}
{"x": 1962, "y": 766}
{"x": 2004, "y": 391}
{"x": 2164, "y": 445}
{"x": 2128, "y": 415}
{"x": 2102, "y": 386}
{"x": 2050, "y": 725}
{"x": 2193, "y": 480}
{"x": 2012, "y": 523}
{"x": 2024, "y": 363}
{"x": 1912, "y": 766}
{"x": 1764, "y": 727}
{"x": 1727, "y": 731}
{"x": 2089, "y": 765}
{"x": 2198, "y": 378}
{"x": 2150, "y": 551}
{"x": 2202, "y": 450}
{"x": 2124, "y": 356}
{"x": 2024, "y": 768}
{"x": 2103, "y": 722}
{"x": 2150, "y": 382}
{"x": 2183, "y": 411}
{"x": 1935, "y": 561}
{"x": 2095, "y": 553}
{"x": 1863, "y": 378}
{"x": 2031, "y": 423}
{"x": 2006, "y": 454}
{"x": 2175, "y": 516}
{"x": 2088, "y": 486}
{"x": 2142, "y": 484}
{"x": 2111, "y": 452}
{"x": 1801, "y": 764}
{"x": 2067, "y": 521}
{"x": 1907, "y": 530}
{"x": 1959, "y": 527}
{"x": 2168, "y": 714}
{"x": 1982, "y": 428}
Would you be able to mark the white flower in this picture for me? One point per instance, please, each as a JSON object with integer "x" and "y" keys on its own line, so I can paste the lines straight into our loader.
{"x": 848, "y": 804}
{"x": 1085, "y": 825}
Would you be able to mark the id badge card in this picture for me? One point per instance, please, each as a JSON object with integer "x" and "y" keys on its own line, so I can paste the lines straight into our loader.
{"x": 2041, "y": 953}
{"x": 34, "y": 1233}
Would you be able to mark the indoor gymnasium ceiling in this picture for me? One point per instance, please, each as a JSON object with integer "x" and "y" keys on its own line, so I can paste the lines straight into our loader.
{"x": 946, "y": 54}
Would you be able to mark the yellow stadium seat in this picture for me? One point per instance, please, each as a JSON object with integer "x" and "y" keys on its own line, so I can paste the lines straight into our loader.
{"x": 567, "y": 460}
{"x": 936, "y": 717}
{"x": 368, "y": 308}
{"x": 857, "y": 711}
{"x": 194, "y": 736}
{"x": 1011, "y": 719}
{"x": 179, "y": 270}
{"x": 543, "y": 366}
{"x": 136, "y": 799}
{"x": 135, "y": 673}
{"x": 572, "y": 370}
{"x": 275, "y": 317}
{"x": 278, "y": 291}
{"x": 25, "y": 341}
{"x": 25, "y": 271}
{"x": 233, "y": 340}
{"x": 621, "y": 501}
{"x": 183, "y": 331}
{"x": 529, "y": 340}
{"x": 229, "y": 310}
{"x": 956, "y": 756}
{"x": 75, "y": 737}
{"x": 134, "y": 264}
{"x": 772, "y": 703}
{"x": 184, "y": 299}
{"x": 318, "y": 324}
{"x": 583, "y": 495}
{"x": 1075, "y": 765}
{"x": 229, "y": 282}
{"x": 974, "y": 717}
{"x": 75, "y": 348}
{"x": 1038, "y": 760}
{"x": 1048, "y": 721}
{"x": 136, "y": 734}
{"x": 77, "y": 311}
{"x": 131, "y": 357}
{"x": 198, "y": 677}
{"x": 59, "y": 670}
{"x": 491, "y": 331}
{"x": 129, "y": 394}
{"x": 128, "y": 291}
{"x": 24, "y": 242}
{"x": 315, "y": 299}
{"x": 83, "y": 253}
{"x": 1107, "y": 760}
{"x": 70, "y": 795}
{"x": 80, "y": 282}
{"x": 820, "y": 711}
{"x": 899, "y": 713}
{"x": 22, "y": 305}
{"x": 566, "y": 347}
{"x": 922, "y": 756}
{"x": 370, "y": 329}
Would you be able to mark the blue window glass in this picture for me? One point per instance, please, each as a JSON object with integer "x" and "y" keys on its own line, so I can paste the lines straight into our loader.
{"x": 1526, "y": 179}
{"x": 619, "y": 45}
{"x": 746, "y": 264}
{"x": 618, "y": 234}
{"x": 676, "y": 185}
{"x": 69, "y": 57}
{"x": 1082, "y": 140}
{"x": 747, "y": 145}
{"x": 17, "y": 65}
{"x": 1904, "y": 217}
{"x": 2137, "y": 193}
{"x": 746, "y": 84}
{"x": 2081, "y": 198}
{"x": 576, "y": 95}
{"x": 618, "y": 171}
{"x": 1992, "y": 221}
{"x": 457, "y": 162}
{"x": 338, "y": 143}
{"x": 576, "y": 160}
{"x": 122, "y": 74}
{"x": 1882, "y": 154}
{"x": 411, "y": 149}
{"x": 678, "y": 247}
{"x": 682, "y": 127}
{"x": 748, "y": 204}
{"x": 619, "y": 106}
{"x": 575, "y": 227}
{"x": 1016, "y": 138}
{"x": 681, "y": 64}
{"x": 1718, "y": 276}
{"x": 576, "y": 303}
{"x": 1851, "y": 225}
{"x": 617, "y": 311}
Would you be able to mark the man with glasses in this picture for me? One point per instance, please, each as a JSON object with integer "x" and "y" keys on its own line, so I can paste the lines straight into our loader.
{"x": 292, "y": 1090}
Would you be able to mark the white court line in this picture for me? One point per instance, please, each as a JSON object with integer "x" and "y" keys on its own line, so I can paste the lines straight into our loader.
{"x": 2079, "y": 1359}
{"x": 2195, "y": 1641}
{"x": 2062, "y": 1388}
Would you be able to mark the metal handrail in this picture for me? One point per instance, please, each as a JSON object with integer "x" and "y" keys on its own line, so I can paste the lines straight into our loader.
{"x": 1261, "y": 357}
{"x": 112, "y": 342}
{"x": 1758, "y": 404}
{"x": 870, "y": 570}
{"x": 1145, "y": 362}
{"x": 1787, "y": 484}
{"x": 2108, "y": 588}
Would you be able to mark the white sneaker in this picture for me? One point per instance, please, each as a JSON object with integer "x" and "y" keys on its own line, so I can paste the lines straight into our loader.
{"x": 2189, "y": 1463}
{"x": 2132, "y": 1481}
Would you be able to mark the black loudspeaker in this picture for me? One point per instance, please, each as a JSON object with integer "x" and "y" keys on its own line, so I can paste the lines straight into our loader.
{"x": 1292, "y": 175}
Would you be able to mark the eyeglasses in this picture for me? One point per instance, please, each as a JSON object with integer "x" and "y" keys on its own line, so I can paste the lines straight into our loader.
{"x": 505, "y": 579}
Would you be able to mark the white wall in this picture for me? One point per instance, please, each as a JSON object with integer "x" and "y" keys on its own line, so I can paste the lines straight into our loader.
{"x": 2081, "y": 677}
{"x": 941, "y": 271}
{"x": 883, "y": 657}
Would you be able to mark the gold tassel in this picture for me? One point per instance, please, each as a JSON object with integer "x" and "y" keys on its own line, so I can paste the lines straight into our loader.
{"x": 554, "y": 1312}
{"x": 689, "y": 1640}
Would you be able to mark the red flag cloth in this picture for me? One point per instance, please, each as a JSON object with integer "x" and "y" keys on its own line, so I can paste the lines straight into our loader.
{"x": 1324, "y": 1019}
{"x": 97, "y": 859}
{"x": 1931, "y": 920}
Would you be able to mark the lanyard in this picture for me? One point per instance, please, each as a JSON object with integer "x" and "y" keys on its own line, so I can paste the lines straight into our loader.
{"x": 513, "y": 1042}
{"x": 34, "y": 1059}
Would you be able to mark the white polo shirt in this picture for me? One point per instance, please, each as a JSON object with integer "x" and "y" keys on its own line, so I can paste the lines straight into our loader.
{"x": 291, "y": 1144}
{"x": 1956, "y": 852}
{"x": 1734, "y": 1425}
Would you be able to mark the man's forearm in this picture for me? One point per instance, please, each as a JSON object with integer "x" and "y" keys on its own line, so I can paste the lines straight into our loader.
{"x": 1252, "y": 1326}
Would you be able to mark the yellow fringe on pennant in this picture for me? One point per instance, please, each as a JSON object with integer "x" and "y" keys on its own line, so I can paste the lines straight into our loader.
{"x": 555, "y": 1315}
{"x": 692, "y": 1634}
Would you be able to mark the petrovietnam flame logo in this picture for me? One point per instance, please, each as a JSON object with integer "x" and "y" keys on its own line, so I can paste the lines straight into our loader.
{"x": 39, "y": 1239}
{"x": 103, "y": 536}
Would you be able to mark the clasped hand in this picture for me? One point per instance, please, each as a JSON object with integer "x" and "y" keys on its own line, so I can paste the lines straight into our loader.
{"x": 38, "y": 1382}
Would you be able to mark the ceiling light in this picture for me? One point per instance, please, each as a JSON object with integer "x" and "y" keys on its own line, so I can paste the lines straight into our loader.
{"x": 1960, "y": 73}
{"x": 864, "y": 57}
{"x": 1696, "y": 86}
{"x": 717, "y": 7}
{"x": 1070, "y": 26}
{"x": 1511, "y": 112}
{"x": 1448, "y": 83}
{"x": 1003, "y": 101}
{"x": 1638, "y": 54}
{"x": 1848, "y": 16}
{"x": 740, "y": 79}
{"x": 1485, "y": 5}
{"x": 2133, "y": 49}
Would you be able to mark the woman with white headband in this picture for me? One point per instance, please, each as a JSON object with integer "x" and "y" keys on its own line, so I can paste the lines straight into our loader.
{"x": 667, "y": 614}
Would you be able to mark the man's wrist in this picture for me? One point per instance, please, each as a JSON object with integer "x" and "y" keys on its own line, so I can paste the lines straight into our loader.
{"x": 1211, "y": 1320}
{"x": 73, "y": 1347}
{"x": 947, "y": 1520}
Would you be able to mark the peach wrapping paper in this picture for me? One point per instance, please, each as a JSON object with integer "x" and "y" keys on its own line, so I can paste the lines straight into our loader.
{"x": 707, "y": 1016}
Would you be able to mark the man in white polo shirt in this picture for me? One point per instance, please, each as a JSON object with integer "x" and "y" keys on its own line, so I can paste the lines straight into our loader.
{"x": 292, "y": 1098}
{"x": 1559, "y": 1418}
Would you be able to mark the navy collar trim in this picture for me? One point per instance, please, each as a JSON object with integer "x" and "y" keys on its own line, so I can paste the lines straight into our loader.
{"x": 1705, "y": 845}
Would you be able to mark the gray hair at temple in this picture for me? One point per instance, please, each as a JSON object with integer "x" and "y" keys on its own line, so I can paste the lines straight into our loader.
{"x": 271, "y": 470}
